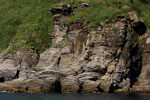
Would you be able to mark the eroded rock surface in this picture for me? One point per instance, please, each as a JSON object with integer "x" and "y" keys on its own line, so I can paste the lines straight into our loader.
{"x": 106, "y": 59}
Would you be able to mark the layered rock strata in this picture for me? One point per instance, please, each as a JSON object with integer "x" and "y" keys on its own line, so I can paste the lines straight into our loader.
{"x": 111, "y": 58}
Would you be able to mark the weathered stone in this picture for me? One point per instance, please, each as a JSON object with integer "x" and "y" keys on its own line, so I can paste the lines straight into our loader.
{"x": 70, "y": 84}
{"x": 26, "y": 57}
{"x": 14, "y": 86}
{"x": 65, "y": 50}
{"x": 8, "y": 74}
{"x": 95, "y": 67}
{"x": 107, "y": 59}
{"x": 49, "y": 59}
{"x": 105, "y": 83}
{"x": 90, "y": 86}
{"x": 88, "y": 76}
{"x": 8, "y": 71}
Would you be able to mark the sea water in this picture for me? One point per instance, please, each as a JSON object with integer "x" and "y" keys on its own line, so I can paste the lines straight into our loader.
{"x": 100, "y": 96}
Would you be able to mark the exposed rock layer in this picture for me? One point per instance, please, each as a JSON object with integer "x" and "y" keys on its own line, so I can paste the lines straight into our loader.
{"x": 110, "y": 58}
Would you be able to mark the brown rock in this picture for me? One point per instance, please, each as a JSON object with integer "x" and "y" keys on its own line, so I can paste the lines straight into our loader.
{"x": 69, "y": 84}
{"x": 90, "y": 86}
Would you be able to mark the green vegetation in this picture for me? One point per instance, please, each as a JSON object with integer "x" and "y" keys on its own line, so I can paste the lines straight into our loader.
{"x": 64, "y": 36}
{"x": 142, "y": 9}
{"x": 29, "y": 22}
{"x": 106, "y": 10}
{"x": 101, "y": 10}
{"x": 25, "y": 23}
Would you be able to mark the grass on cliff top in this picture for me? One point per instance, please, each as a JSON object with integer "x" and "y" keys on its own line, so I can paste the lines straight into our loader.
{"x": 29, "y": 22}
{"x": 106, "y": 10}
{"x": 25, "y": 23}
{"x": 100, "y": 10}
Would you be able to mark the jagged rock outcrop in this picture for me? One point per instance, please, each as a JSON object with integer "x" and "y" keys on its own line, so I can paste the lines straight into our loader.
{"x": 107, "y": 59}
{"x": 143, "y": 81}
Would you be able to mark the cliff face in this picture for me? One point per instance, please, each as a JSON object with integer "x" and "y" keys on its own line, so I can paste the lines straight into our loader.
{"x": 111, "y": 58}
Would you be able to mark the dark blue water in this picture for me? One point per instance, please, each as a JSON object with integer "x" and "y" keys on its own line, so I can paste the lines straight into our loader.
{"x": 7, "y": 96}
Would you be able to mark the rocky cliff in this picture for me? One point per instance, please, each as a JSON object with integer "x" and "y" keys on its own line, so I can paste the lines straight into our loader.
{"x": 111, "y": 58}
